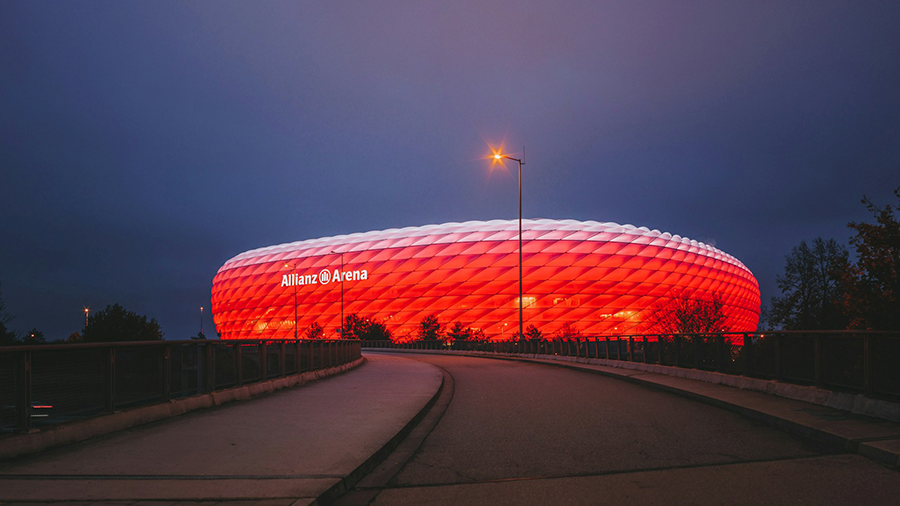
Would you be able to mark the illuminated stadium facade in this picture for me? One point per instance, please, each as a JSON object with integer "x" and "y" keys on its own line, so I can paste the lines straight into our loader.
{"x": 602, "y": 278}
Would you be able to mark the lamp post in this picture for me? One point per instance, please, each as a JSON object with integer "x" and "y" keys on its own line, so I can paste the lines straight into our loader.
{"x": 294, "y": 282}
{"x": 86, "y": 311}
{"x": 201, "y": 319}
{"x": 341, "y": 328}
{"x": 500, "y": 156}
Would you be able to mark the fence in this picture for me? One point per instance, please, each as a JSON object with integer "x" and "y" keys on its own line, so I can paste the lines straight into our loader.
{"x": 51, "y": 384}
{"x": 858, "y": 361}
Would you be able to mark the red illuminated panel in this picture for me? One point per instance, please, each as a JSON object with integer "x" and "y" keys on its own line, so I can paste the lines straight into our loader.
{"x": 601, "y": 277}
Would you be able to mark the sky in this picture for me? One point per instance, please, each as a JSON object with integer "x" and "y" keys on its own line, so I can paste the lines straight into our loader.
{"x": 143, "y": 144}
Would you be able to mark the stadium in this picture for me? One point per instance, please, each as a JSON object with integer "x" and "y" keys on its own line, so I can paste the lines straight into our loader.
{"x": 600, "y": 278}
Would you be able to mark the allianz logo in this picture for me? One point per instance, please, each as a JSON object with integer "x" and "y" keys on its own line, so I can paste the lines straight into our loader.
{"x": 323, "y": 278}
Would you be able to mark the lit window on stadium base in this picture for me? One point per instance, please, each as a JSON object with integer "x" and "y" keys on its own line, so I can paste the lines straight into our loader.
{"x": 600, "y": 278}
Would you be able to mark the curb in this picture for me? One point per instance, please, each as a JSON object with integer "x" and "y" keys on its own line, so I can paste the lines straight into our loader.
{"x": 73, "y": 432}
{"x": 883, "y": 450}
{"x": 347, "y": 483}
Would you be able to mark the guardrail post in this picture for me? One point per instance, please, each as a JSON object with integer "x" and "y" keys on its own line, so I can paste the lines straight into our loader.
{"x": 820, "y": 361}
{"x": 779, "y": 356}
{"x": 263, "y": 362}
{"x": 748, "y": 355}
{"x": 618, "y": 348}
{"x": 698, "y": 351}
{"x": 676, "y": 340}
{"x": 720, "y": 352}
{"x": 238, "y": 365}
{"x": 23, "y": 392}
{"x": 606, "y": 348}
{"x": 644, "y": 346}
{"x": 631, "y": 349}
{"x": 165, "y": 372}
{"x": 109, "y": 379}
{"x": 209, "y": 367}
{"x": 869, "y": 376}
{"x": 282, "y": 362}
{"x": 301, "y": 345}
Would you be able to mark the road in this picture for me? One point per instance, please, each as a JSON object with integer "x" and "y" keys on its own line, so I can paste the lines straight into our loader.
{"x": 515, "y": 433}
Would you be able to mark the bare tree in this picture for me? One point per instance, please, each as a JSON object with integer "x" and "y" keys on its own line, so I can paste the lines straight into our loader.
{"x": 568, "y": 331}
{"x": 686, "y": 314}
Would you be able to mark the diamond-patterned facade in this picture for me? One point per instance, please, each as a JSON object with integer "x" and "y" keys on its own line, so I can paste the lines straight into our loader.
{"x": 601, "y": 277}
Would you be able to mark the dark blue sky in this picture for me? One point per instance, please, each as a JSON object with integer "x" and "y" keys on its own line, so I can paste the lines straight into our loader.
{"x": 142, "y": 144}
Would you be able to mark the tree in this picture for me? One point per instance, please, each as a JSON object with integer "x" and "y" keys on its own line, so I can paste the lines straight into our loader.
{"x": 458, "y": 333}
{"x": 354, "y": 327}
{"x": 8, "y": 337}
{"x": 365, "y": 329}
{"x": 532, "y": 332}
{"x": 115, "y": 323}
{"x": 377, "y": 331}
{"x": 568, "y": 331}
{"x": 430, "y": 328}
{"x": 873, "y": 300}
{"x": 684, "y": 314}
{"x": 813, "y": 288}
{"x": 315, "y": 331}
{"x": 199, "y": 337}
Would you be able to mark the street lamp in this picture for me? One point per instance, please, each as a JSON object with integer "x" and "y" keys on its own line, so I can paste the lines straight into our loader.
{"x": 498, "y": 156}
{"x": 341, "y": 328}
{"x": 293, "y": 282}
{"x": 86, "y": 311}
{"x": 201, "y": 320}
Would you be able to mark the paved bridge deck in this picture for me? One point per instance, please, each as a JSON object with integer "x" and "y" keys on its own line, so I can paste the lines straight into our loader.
{"x": 504, "y": 432}
{"x": 291, "y": 445}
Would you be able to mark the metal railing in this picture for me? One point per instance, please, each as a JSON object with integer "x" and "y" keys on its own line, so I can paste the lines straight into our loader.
{"x": 51, "y": 384}
{"x": 857, "y": 361}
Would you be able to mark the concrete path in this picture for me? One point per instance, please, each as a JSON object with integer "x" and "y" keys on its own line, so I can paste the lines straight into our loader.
{"x": 521, "y": 433}
{"x": 875, "y": 438}
{"x": 288, "y": 447}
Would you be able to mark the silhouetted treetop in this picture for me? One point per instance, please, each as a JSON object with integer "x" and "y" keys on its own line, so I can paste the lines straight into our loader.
{"x": 115, "y": 323}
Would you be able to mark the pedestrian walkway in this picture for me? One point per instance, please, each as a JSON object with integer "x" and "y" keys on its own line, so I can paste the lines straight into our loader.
{"x": 289, "y": 447}
{"x": 872, "y": 437}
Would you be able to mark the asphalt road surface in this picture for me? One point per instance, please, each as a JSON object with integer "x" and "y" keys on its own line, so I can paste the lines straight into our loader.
{"x": 517, "y": 433}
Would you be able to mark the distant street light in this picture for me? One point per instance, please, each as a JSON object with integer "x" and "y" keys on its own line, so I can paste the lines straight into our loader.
{"x": 201, "y": 319}
{"x": 498, "y": 156}
{"x": 341, "y": 328}
{"x": 86, "y": 311}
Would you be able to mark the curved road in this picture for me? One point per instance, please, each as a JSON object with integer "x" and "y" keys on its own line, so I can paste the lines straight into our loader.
{"x": 518, "y": 433}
